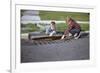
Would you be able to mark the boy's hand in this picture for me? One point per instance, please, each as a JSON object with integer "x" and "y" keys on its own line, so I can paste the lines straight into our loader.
{"x": 63, "y": 37}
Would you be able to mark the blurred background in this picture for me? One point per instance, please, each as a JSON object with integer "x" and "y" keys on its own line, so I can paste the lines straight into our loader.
{"x": 32, "y": 20}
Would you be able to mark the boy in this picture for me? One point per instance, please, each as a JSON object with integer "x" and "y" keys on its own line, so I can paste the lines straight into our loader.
{"x": 52, "y": 29}
{"x": 73, "y": 29}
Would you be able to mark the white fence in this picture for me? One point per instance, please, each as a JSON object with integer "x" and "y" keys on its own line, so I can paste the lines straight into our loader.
{"x": 48, "y": 22}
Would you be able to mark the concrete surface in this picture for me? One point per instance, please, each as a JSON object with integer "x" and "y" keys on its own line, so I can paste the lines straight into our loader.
{"x": 56, "y": 51}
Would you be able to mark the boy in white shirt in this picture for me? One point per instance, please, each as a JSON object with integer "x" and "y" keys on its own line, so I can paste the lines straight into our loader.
{"x": 51, "y": 30}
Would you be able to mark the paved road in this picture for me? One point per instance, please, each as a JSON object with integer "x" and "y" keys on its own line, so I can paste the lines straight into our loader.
{"x": 59, "y": 51}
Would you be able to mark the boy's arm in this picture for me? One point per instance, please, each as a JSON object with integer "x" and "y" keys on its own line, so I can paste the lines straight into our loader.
{"x": 66, "y": 31}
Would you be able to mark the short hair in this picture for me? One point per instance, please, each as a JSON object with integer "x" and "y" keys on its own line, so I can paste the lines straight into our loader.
{"x": 53, "y": 22}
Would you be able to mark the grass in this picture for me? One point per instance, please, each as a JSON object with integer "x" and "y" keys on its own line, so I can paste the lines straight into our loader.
{"x": 85, "y": 27}
{"x": 61, "y": 27}
{"x": 25, "y": 28}
{"x": 51, "y": 15}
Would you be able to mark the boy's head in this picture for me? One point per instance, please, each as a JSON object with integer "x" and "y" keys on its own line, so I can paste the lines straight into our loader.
{"x": 68, "y": 19}
{"x": 53, "y": 22}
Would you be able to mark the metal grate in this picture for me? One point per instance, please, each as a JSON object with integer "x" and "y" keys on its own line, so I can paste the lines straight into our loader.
{"x": 49, "y": 40}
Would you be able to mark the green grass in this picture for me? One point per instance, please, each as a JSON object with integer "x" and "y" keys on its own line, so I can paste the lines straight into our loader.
{"x": 85, "y": 27}
{"x": 51, "y": 15}
{"x": 61, "y": 27}
{"x": 25, "y": 28}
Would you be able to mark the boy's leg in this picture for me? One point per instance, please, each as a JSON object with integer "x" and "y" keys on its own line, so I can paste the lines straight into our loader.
{"x": 70, "y": 34}
{"x": 52, "y": 33}
{"x": 63, "y": 36}
{"x": 48, "y": 30}
{"x": 66, "y": 36}
{"x": 78, "y": 36}
{"x": 75, "y": 33}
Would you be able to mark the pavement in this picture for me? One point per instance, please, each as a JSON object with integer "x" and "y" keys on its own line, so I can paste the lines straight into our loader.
{"x": 57, "y": 51}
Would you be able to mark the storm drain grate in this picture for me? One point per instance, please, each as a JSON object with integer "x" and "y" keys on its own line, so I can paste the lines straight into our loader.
{"x": 49, "y": 40}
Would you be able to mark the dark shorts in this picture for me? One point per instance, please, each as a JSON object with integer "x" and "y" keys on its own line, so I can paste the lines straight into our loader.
{"x": 74, "y": 31}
